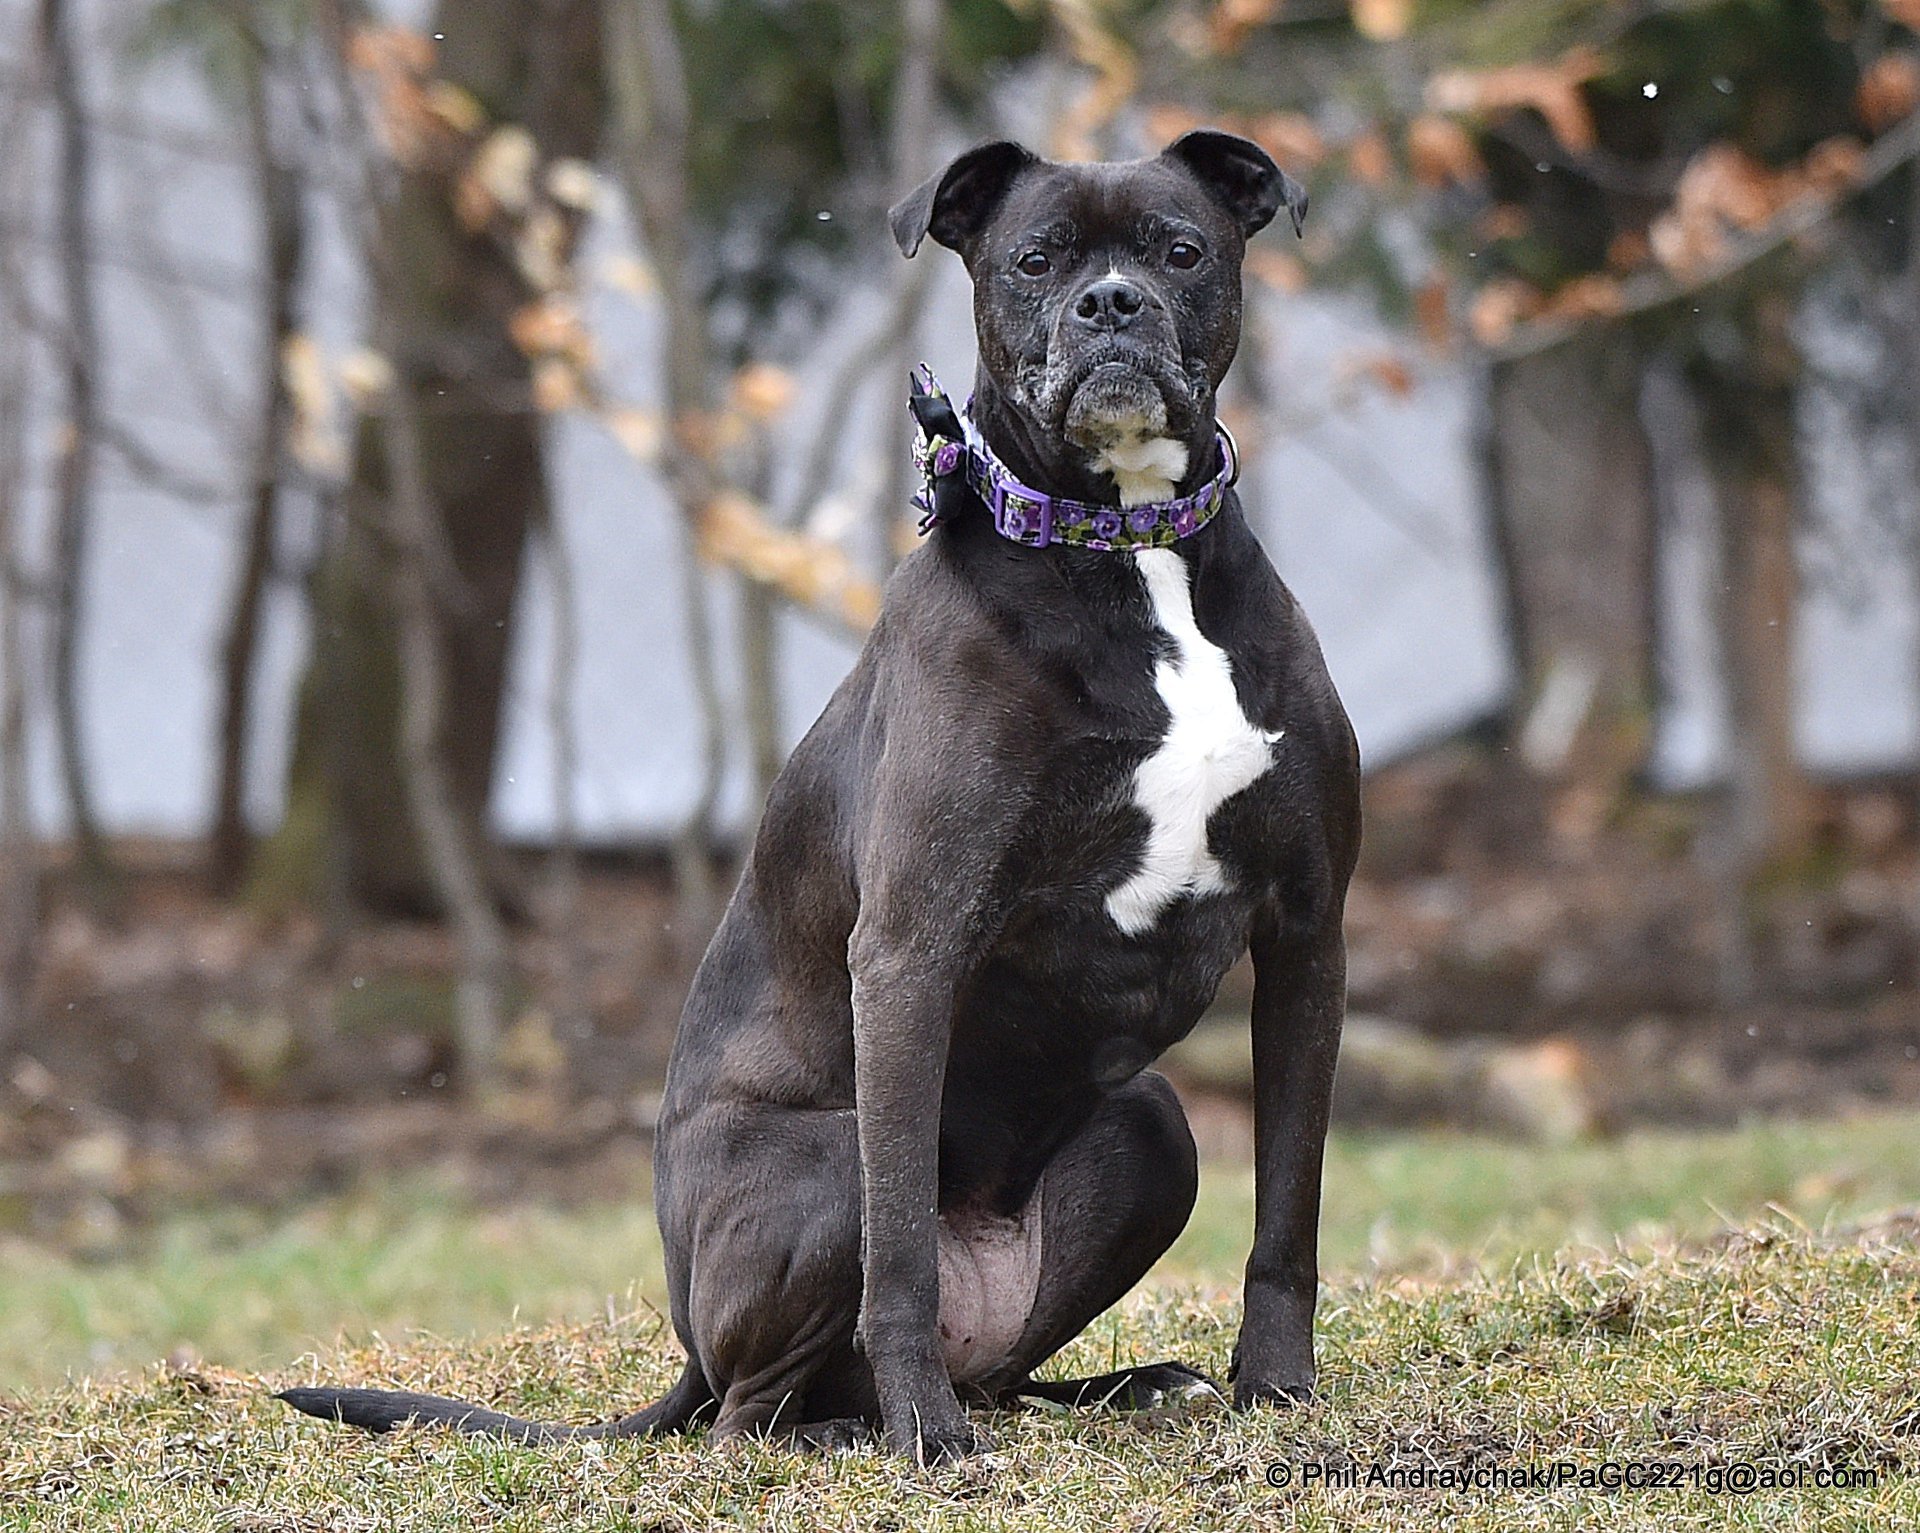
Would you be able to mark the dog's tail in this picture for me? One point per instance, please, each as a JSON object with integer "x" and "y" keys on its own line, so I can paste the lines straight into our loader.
{"x": 381, "y": 1410}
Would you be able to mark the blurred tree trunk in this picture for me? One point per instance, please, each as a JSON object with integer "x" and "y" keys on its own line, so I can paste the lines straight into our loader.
{"x": 449, "y": 304}
{"x": 647, "y": 84}
{"x": 1908, "y": 307}
{"x": 1568, "y": 475}
{"x": 79, "y": 440}
{"x": 19, "y": 872}
{"x": 1744, "y": 375}
{"x": 282, "y": 216}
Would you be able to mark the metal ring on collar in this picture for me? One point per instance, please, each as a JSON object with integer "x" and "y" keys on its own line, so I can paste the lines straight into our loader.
{"x": 1233, "y": 453}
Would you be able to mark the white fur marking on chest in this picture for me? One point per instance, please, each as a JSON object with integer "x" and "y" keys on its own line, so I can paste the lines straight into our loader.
{"x": 1211, "y": 750}
{"x": 1144, "y": 468}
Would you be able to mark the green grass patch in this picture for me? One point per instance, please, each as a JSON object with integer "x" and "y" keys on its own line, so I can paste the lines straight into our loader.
{"x": 250, "y": 1288}
{"x": 1793, "y": 1353}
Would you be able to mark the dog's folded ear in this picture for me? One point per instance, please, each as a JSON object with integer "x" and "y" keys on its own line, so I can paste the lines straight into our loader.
{"x": 955, "y": 205}
{"x": 1241, "y": 176}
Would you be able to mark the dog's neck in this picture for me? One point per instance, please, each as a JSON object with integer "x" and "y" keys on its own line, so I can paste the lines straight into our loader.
{"x": 1134, "y": 469}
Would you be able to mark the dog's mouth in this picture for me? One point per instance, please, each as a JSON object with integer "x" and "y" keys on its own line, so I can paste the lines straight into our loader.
{"x": 1119, "y": 394}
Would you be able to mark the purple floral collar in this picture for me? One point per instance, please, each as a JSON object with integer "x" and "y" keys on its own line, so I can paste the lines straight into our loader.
{"x": 953, "y": 459}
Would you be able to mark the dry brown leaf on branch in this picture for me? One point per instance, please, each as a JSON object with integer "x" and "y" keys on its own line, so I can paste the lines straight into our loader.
{"x": 735, "y": 532}
{"x": 630, "y": 275}
{"x": 1889, "y": 90}
{"x": 1833, "y": 166}
{"x": 556, "y": 386}
{"x": 312, "y": 437}
{"x": 761, "y": 392}
{"x": 1503, "y": 221}
{"x": 1290, "y": 137}
{"x": 399, "y": 62}
{"x": 1116, "y": 75}
{"x": 1433, "y": 311}
{"x": 1229, "y": 22}
{"x": 367, "y": 376}
{"x": 1442, "y": 153}
{"x": 1551, "y": 89}
{"x": 1281, "y": 270}
{"x": 552, "y": 327}
{"x": 1595, "y": 296}
{"x": 542, "y": 248}
{"x": 1370, "y": 158}
{"x": 636, "y": 430}
{"x": 1167, "y": 120}
{"x": 457, "y": 107}
{"x": 1728, "y": 182}
{"x": 1721, "y": 187}
{"x": 1500, "y": 307}
{"x": 497, "y": 178}
{"x": 1724, "y": 189}
{"x": 1382, "y": 20}
{"x": 1383, "y": 370}
{"x": 382, "y": 49}
{"x": 574, "y": 184}
{"x": 1629, "y": 250}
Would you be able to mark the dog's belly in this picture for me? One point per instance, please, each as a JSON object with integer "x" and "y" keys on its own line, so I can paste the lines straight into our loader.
{"x": 1211, "y": 750}
{"x": 989, "y": 1274}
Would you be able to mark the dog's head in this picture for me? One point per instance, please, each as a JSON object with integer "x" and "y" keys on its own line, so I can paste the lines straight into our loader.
{"x": 1106, "y": 298}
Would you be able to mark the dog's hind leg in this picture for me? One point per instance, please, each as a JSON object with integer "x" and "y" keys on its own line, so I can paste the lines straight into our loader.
{"x": 382, "y": 1410}
{"x": 772, "y": 1236}
{"x": 1111, "y": 1202}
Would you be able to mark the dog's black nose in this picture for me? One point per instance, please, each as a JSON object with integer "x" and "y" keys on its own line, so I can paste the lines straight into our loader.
{"x": 1110, "y": 304}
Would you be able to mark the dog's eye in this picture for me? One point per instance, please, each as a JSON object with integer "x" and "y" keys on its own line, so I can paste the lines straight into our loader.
{"x": 1035, "y": 263}
{"x": 1183, "y": 255}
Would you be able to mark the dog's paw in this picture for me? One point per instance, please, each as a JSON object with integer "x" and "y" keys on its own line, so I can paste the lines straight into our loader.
{"x": 1283, "y": 1393}
{"x": 840, "y": 1434}
{"x": 929, "y": 1443}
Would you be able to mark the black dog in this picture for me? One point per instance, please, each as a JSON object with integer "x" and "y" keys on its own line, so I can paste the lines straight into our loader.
{"x": 909, "y": 1141}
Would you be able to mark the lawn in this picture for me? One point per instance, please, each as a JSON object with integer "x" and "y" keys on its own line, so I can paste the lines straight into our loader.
{"x": 1490, "y": 1306}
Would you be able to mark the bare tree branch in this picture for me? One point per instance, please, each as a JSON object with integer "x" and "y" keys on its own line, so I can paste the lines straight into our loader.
{"x": 565, "y": 915}
{"x": 1896, "y": 147}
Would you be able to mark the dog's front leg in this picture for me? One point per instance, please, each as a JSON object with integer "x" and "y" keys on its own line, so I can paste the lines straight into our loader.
{"x": 1299, "y": 1002}
{"x": 902, "y": 1019}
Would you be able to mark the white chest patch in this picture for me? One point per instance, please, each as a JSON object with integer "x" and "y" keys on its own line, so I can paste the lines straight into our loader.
{"x": 1143, "y": 468}
{"x": 1211, "y": 750}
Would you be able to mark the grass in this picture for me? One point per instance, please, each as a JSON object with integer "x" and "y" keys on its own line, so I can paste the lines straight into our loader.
{"x": 1450, "y": 1335}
